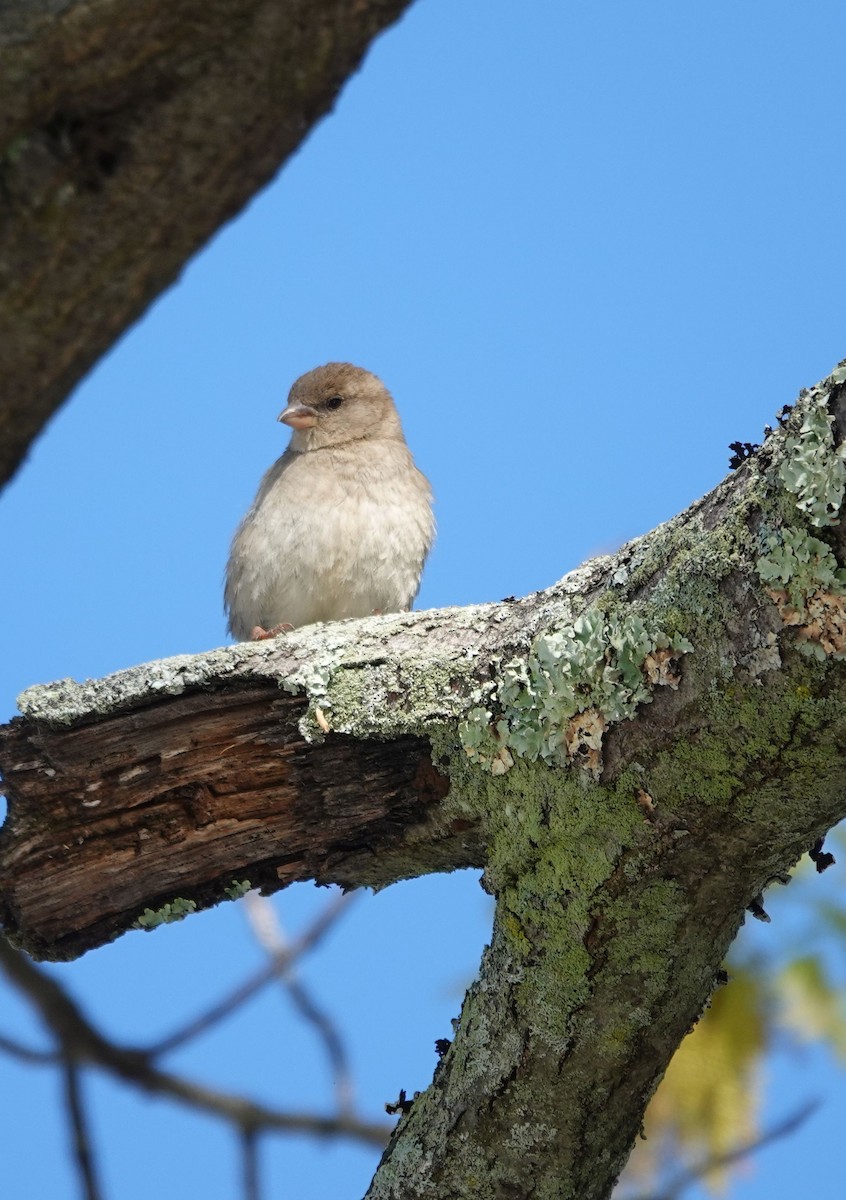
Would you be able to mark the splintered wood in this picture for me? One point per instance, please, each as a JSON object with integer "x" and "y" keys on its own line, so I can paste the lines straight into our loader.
{"x": 180, "y": 798}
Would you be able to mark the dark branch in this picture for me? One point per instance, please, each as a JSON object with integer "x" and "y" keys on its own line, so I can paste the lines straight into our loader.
{"x": 250, "y": 1164}
{"x": 26, "y": 1054}
{"x": 83, "y": 1154}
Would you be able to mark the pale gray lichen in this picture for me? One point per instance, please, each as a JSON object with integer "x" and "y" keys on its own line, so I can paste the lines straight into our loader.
{"x": 174, "y": 910}
{"x": 799, "y": 564}
{"x": 344, "y": 669}
{"x": 800, "y": 571}
{"x": 813, "y": 467}
{"x": 764, "y": 657}
{"x": 809, "y": 590}
{"x": 66, "y": 701}
{"x": 600, "y": 669}
{"x": 314, "y": 679}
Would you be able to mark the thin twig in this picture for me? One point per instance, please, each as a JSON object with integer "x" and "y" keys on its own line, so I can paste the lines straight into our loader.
{"x": 332, "y": 1042}
{"x": 267, "y": 927}
{"x": 80, "y": 1137}
{"x": 249, "y": 1159}
{"x": 25, "y": 1053}
{"x": 86, "y": 1044}
{"x": 251, "y": 987}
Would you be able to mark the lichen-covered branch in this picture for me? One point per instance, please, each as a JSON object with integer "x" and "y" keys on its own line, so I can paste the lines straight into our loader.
{"x": 128, "y": 134}
{"x": 633, "y": 755}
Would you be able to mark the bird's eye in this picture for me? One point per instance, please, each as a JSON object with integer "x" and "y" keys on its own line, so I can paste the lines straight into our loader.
{"x": 333, "y": 402}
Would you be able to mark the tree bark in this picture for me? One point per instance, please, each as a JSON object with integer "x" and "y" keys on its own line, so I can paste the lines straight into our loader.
{"x": 633, "y": 755}
{"x": 129, "y": 132}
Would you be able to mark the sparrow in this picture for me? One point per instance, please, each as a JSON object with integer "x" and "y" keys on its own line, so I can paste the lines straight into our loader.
{"x": 342, "y": 522}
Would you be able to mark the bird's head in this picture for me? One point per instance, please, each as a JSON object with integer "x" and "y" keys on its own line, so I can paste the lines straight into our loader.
{"x": 339, "y": 403}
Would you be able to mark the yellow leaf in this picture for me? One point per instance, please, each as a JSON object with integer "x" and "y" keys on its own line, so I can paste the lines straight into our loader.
{"x": 811, "y": 1006}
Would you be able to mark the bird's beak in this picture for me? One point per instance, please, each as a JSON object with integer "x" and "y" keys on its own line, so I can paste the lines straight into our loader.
{"x": 299, "y": 416}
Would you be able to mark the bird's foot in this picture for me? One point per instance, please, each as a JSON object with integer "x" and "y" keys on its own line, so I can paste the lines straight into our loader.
{"x": 261, "y": 635}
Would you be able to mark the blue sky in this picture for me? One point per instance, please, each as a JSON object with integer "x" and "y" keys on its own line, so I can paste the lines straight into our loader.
{"x": 587, "y": 246}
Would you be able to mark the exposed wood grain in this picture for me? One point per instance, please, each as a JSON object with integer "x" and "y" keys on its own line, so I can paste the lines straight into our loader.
{"x": 178, "y": 798}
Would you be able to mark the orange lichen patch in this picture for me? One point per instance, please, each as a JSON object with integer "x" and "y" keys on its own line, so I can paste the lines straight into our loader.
{"x": 662, "y": 667}
{"x": 821, "y": 622}
{"x": 583, "y": 740}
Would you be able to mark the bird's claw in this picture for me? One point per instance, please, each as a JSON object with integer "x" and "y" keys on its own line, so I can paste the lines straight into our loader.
{"x": 259, "y": 634}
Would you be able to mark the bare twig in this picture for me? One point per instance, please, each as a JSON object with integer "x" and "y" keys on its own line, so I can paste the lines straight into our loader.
{"x": 251, "y": 987}
{"x": 25, "y": 1053}
{"x": 267, "y": 927}
{"x": 249, "y": 1159}
{"x": 80, "y": 1138}
{"x": 80, "y": 1038}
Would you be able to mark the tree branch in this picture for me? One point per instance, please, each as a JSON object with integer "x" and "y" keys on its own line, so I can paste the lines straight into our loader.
{"x": 26, "y": 1054}
{"x": 196, "y": 796}
{"x": 128, "y": 134}
{"x": 633, "y": 755}
{"x": 80, "y": 1139}
{"x": 250, "y": 1164}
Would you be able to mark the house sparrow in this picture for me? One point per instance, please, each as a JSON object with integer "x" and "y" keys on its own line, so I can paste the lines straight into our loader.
{"x": 342, "y": 522}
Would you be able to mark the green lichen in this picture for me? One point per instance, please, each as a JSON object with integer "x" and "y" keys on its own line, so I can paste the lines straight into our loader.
{"x": 800, "y": 572}
{"x": 388, "y": 697}
{"x": 600, "y": 664}
{"x": 551, "y": 846}
{"x": 582, "y": 959}
{"x": 742, "y": 732}
{"x": 237, "y": 889}
{"x": 799, "y": 564}
{"x": 809, "y": 590}
{"x": 813, "y": 469}
{"x": 553, "y": 843}
{"x": 174, "y": 910}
